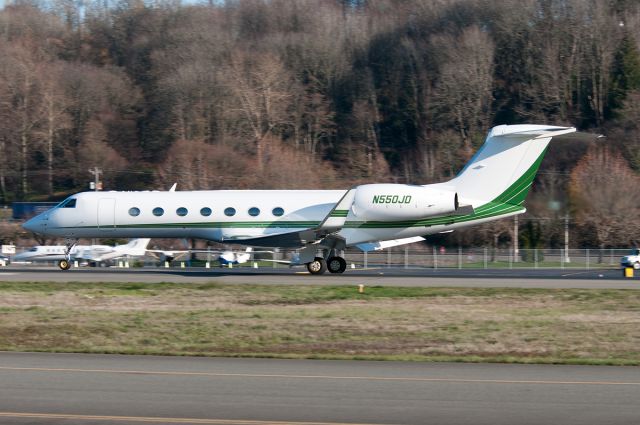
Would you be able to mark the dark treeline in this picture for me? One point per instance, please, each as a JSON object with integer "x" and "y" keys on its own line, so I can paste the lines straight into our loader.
{"x": 321, "y": 94}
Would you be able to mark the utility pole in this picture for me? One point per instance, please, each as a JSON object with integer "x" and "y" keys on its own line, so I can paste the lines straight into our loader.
{"x": 516, "y": 251}
{"x": 566, "y": 238}
{"x": 97, "y": 184}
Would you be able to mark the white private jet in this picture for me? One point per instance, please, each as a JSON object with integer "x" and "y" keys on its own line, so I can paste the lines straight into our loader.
{"x": 319, "y": 223}
{"x": 91, "y": 253}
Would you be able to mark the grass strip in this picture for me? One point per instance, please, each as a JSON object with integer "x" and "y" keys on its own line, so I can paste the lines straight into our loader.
{"x": 568, "y": 326}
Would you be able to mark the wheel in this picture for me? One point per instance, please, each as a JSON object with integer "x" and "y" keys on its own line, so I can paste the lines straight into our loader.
{"x": 317, "y": 266}
{"x": 64, "y": 265}
{"x": 336, "y": 265}
{"x": 636, "y": 265}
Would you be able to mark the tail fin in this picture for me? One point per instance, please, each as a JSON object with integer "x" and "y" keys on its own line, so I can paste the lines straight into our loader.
{"x": 137, "y": 246}
{"x": 504, "y": 168}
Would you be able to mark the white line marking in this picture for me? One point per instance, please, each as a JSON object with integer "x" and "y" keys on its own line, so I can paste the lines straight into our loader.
{"x": 159, "y": 419}
{"x": 334, "y": 377}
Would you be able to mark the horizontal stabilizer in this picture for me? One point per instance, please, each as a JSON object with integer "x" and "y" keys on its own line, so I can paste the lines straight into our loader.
{"x": 530, "y": 131}
{"x": 135, "y": 247}
{"x": 377, "y": 246}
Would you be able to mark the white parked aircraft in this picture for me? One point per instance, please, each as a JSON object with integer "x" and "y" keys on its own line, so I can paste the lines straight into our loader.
{"x": 233, "y": 257}
{"x": 224, "y": 258}
{"x": 319, "y": 223}
{"x": 229, "y": 257}
{"x": 91, "y": 253}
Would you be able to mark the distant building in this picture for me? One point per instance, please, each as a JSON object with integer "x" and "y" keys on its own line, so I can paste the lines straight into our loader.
{"x": 25, "y": 210}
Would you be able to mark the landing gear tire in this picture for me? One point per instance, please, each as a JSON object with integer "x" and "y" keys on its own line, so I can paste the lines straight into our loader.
{"x": 336, "y": 265}
{"x": 317, "y": 266}
{"x": 64, "y": 264}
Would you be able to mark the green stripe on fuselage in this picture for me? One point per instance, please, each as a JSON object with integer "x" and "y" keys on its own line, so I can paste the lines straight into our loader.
{"x": 339, "y": 213}
{"x": 508, "y": 202}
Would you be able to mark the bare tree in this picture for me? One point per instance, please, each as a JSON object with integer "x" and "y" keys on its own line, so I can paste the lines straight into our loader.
{"x": 361, "y": 158}
{"x": 195, "y": 164}
{"x": 54, "y": 111}
{"x": 463, "y": 92}
{"x": 262, "y": 88}
{"x": 289, "y": 168}
{"x": 314, "y": 122}
{"x": 602, "y": 38}
{"x": 604, "y": 191}
{"x": 20, "y": 108}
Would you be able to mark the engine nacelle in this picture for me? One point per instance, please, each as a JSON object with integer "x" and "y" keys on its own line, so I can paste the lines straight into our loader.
{"x": 395, "y": 202}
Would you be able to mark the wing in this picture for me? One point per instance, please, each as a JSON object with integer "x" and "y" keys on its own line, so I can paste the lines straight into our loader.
{"x": 324, "y": 233}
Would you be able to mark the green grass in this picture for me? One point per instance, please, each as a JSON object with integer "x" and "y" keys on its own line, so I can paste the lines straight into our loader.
{"x": 575, "y": 326}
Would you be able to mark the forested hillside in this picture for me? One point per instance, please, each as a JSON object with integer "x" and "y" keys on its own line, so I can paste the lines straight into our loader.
{"x": 321, "y": 94}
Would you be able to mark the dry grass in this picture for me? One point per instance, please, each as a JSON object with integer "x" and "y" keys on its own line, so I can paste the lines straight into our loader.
{"x": 565, "y": 326}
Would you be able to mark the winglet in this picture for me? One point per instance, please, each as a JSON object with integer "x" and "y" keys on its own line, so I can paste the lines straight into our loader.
{"x": 338, "y": 215}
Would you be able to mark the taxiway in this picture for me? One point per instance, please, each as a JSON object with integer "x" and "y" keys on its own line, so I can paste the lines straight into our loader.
{"x": 381, "y": 276}
{"x": 114, "y": 389}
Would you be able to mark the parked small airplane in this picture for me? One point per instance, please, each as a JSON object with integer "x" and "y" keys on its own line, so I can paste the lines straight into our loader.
{"x": 234, "y": 257}
{"x": 320, "y": 224}
{"x": 228, "y": 257}
{"x": 90, "y": 253}
{"x": 224, "y": 258}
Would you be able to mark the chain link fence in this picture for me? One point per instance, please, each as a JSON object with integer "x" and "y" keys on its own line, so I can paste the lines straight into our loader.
{"x": 488, "y": 258}
{"x": 450, "y": 258}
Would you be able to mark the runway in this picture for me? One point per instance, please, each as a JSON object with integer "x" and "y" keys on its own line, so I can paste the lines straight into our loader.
{"x": 110, "y": 389}
{"x": 381, "y": 276}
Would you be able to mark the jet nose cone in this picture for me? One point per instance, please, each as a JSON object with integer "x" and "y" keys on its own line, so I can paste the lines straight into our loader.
{"x": 34, "y": 225}
{"x": 30, "y": 225}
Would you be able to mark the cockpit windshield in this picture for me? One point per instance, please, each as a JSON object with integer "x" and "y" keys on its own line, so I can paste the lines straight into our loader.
{"x": 68, "y": 203}
{"x": 33, "y": 249}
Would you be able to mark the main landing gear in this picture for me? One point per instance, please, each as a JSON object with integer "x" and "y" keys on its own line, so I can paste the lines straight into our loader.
{"x": 66, "y": 263}
{"x": 334, "y": 264}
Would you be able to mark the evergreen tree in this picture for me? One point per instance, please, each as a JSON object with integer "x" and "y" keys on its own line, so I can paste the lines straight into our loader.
{"x": 625, "y": 74}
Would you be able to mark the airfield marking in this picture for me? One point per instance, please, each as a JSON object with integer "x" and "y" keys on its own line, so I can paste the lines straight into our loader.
{"x": 325, "y": 377}
{"x": 577, "y": 273}
{"x": 148, "y": 419}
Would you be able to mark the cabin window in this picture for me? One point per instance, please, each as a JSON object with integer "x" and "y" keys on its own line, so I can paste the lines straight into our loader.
{"x": 254, "y": 212}
{"x": 277, "y": 211}
{"x": 69, "y": 203}
{"x": 206, "y": 211}
{"x": 134, "y": 212}
{"x": 230, "y": 212}
{"x": 158, "y": 211}
{"x": 182, "y": 211}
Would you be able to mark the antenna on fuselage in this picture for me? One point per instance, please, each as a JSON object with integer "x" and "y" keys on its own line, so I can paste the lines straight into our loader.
{"x": 173, "y": 188}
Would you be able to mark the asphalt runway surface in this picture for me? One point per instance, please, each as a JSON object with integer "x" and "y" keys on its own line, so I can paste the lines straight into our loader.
{"x": 64, "y": 389}
{"x": 375, "y": 276}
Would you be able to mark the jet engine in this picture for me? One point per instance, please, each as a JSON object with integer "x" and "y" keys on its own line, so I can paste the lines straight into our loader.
{"x": 395, "y": 202}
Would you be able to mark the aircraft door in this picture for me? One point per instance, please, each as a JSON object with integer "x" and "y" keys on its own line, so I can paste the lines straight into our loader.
{"x": 107, "y": 214}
